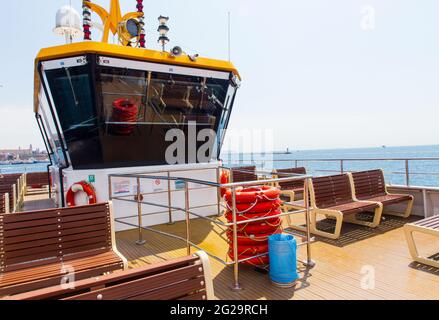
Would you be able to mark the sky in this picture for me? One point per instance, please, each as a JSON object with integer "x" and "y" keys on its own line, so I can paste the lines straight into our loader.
{"x": 316, "y": 74}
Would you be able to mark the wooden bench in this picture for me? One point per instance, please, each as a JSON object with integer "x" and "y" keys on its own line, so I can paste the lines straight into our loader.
{"x": 18, "y": 179}
{"x": 428, "y": 226}
{"x": 10, "y": 190}
{"x": 371, "y": 186}
{"x": 186, "y": 278}
{"x": 41, "y": 248}
{"x": 37, "y": 180}
{"x": 333, "y": 197}
{"x": 4, "y": 203}
{"x": 243, "y": 174}
{"x": 290, "y": 189}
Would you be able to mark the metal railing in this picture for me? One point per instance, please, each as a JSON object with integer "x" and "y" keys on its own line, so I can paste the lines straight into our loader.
{"x": 139, "y": 200}
{"x": 342, "y": 165}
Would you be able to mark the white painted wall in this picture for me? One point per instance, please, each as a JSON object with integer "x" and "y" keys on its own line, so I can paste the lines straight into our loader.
{"x": 157, "y": 190}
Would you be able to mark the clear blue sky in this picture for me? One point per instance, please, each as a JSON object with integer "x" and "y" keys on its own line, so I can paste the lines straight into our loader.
{"x": 310, "y": 71}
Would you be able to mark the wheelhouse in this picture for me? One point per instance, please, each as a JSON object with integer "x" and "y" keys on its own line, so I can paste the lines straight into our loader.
{"x": 111, "y": 106}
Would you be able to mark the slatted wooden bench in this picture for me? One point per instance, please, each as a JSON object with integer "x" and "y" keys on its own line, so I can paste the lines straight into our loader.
{"x": 333, "y": 197}
{"x": 4, "y": 203}
{"x": 41, "y": 248}
{"x": 186, "y": 278}
{"x": 18, "y": 179}
{"x": 244, "y": 174}
{"x": 291, "y": 189}
{"x": 37, "y": 179}
{"x": 371, "y": 186}
{"x": 10, "y": 190}
{"x": 428, "y": 226}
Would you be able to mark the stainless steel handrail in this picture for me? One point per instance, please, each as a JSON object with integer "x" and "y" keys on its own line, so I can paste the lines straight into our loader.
{"x": 138, "y": 199}
{"x": 342, "y": 161}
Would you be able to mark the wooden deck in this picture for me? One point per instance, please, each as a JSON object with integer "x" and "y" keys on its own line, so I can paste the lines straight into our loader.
{"x": 341, "y": 272}
{"x": 377, "y": 267}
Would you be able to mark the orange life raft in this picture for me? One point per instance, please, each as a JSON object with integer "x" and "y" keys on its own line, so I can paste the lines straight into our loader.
{"x": 252, "y": 237}
{"x": 253, "y": 194}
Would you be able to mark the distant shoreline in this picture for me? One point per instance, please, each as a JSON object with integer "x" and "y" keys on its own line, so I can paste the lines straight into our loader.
{"x": 293, "y": 151}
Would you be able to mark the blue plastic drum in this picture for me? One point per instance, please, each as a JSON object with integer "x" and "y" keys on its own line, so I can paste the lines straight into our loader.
{"x": 283, "y": 260}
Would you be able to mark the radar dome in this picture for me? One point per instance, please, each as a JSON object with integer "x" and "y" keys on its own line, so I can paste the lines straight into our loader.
{"x": 68, "y": 23}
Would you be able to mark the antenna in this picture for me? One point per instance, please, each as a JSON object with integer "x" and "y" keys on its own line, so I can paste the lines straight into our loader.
{"x": 229, "y": 35}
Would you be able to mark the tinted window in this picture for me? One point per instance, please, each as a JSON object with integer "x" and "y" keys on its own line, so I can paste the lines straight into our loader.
{"x": 117, "y": 117}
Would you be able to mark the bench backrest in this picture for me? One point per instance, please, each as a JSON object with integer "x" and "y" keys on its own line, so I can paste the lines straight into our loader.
{"x": 10, "y": 177}
{"x": 429, "y": 223}
{"x": 4, "y": 203}
{"x": 187, "y": 278}
{"x": 331, "y": 191}
{"x": 43, "y": 237}
{"x": 369, "y": 184}
{"x": 37, "y": 179}
{"x": 11, "y": 191}
{"x": 244, "y": 174}
{"x": 291, "y": 185}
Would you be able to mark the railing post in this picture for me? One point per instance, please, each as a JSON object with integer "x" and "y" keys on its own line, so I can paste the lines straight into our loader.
{"x": 296, "y": 163}
{"x": 407, "y": 173}
{"x": 139, "y": 242}
{"x": 171, "y": 221}
{"x": 218, "y": 190}
{"x": 236, "y": 286}
{"x": 310, "y": 263}
{"x": 110, "y": 188}
{"x": 187, "y": 208}
{"x": 341, "y": 166}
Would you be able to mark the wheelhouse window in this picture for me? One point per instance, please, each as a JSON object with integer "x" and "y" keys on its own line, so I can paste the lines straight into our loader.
{"x": 114, "y": 116}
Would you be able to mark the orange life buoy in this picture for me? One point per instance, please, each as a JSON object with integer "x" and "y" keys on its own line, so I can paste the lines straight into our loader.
{"x": 224, "y": 179}
{"x": 253, "y": 194}
{"x": 252, "y": 250}
{"x": 81, "y": 187}
{"x": 251, "y": 216}
{"x": 252, "y": 239}
{"x": 260, "y": 227}
{"x": 257, "y": 207}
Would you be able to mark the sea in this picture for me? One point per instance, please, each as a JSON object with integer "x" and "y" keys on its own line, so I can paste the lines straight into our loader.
{"x": 421, "y": 172}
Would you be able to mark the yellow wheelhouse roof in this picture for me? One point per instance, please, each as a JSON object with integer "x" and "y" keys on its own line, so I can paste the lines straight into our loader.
{"x": 131, "y": 53}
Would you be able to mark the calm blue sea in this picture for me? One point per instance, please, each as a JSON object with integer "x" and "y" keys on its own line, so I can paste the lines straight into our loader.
{"x": 422, "y": 173}
{"x": 23, "y": 168}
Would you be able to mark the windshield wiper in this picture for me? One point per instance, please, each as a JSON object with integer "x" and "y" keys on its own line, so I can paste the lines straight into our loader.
{"x": 71, "y": 86}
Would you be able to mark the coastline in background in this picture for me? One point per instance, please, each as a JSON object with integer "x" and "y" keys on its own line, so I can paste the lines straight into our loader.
{"x": 24, "y": 168}
{"x": 422, "y": 173}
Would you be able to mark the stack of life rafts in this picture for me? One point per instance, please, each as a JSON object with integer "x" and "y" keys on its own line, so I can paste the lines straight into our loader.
{"x": 253, "y": 203}
{"x": 124, "y": 115}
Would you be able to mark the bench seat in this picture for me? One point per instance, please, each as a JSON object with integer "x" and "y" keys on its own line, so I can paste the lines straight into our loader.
{"x": 389, "y": 199}
{"x": 55, "y": 273}
{"x": 371, "y": 186}
{"x": 41, "y": 248}
{"x": 429, "y": 226}
{"x": 187, "y": 278}
{"x": 291, "y": 189}
{"x": 354, "y": 207}
{"x": 243, "y": 174}
{"x": 333, "y": 197}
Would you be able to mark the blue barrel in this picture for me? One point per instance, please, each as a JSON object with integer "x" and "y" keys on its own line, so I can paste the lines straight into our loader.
{"x": 283, "y": 260}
